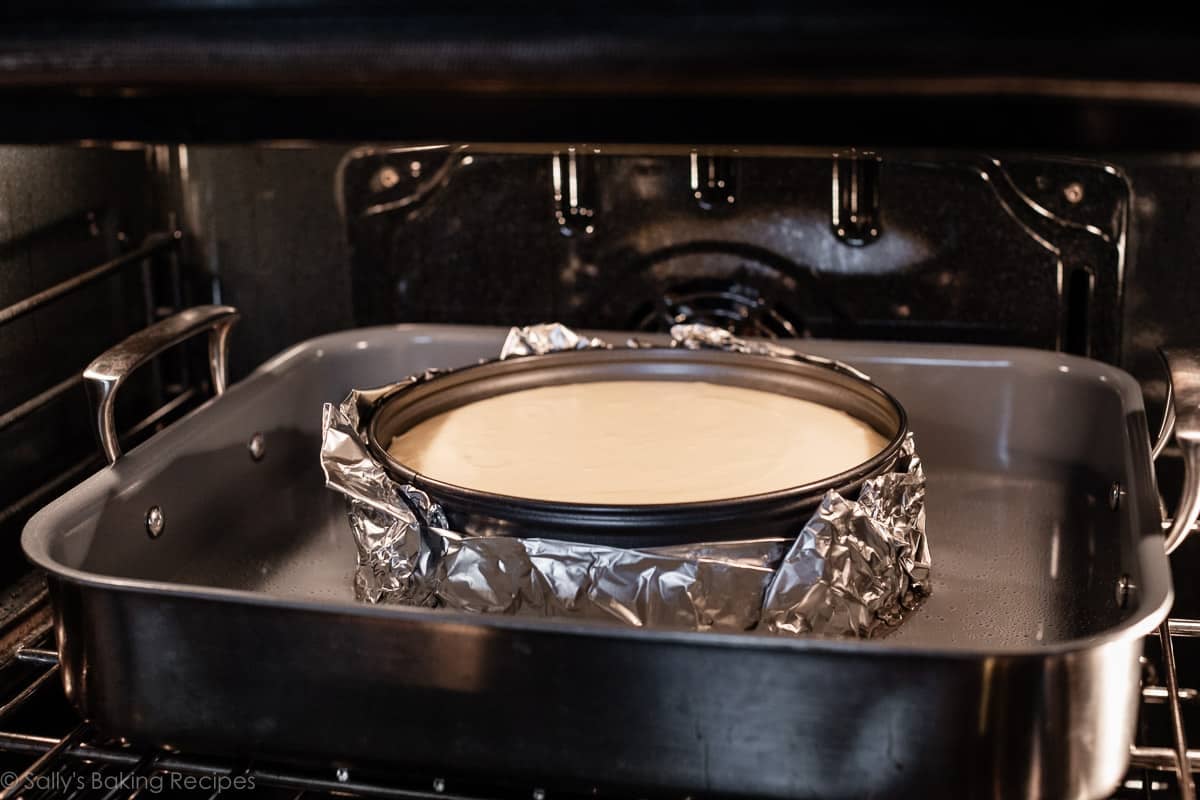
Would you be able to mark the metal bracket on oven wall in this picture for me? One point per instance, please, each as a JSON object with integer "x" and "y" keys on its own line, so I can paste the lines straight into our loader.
{"x": 383, "y": 181}
{"x": 106, "y": 374}
{"x": 854, "y": 212}
{"x": 713, "y": 181}
{"x": 573, "y": 180}
{"x": 1077, "y": 212}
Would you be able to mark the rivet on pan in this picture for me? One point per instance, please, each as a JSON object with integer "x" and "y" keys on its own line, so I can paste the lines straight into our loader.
{"x": 257, "y": 446}
{"x": 439, "y": 785}
{"x": 1114, "y": 495}
{"x": 1125, "y": 590}
{"x": 155, "y": 522}
{"x": 343, "y": 775}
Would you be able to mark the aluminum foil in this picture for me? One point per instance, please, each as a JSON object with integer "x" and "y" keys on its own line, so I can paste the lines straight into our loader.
{"x": 695, "y": 337}
{"x": 854, "y": 569}
{"x": 542, "y": 339}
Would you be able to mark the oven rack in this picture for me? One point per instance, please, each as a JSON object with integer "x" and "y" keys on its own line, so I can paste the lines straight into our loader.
{"x": 71, "y": 761}
{"x": 158, "y": 246}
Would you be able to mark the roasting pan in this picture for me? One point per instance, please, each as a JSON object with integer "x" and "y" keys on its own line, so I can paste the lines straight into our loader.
{"x": 202, "y": 588}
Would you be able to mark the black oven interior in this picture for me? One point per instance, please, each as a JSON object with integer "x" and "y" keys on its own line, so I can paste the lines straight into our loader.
{"x": 333, "y": 170}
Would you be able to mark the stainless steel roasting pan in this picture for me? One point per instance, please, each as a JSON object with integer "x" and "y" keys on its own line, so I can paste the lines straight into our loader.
{"x": 203, "y": 599}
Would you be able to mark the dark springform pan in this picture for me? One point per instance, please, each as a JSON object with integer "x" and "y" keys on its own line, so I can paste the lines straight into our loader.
{"x": 763, "y": 515}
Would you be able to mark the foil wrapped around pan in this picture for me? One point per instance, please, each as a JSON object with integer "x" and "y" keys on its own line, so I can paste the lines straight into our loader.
{"x": 854, "y": 569}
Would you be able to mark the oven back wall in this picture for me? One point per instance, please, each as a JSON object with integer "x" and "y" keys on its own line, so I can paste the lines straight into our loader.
{"x": 265, "y": 234}
{"x": 935, "y": 247}
{"x": 485, "y": 246}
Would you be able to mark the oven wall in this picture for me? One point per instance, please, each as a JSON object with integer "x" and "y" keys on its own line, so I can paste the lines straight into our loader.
{"x": 63, "y": 210}
{"x": 267, "y": 238}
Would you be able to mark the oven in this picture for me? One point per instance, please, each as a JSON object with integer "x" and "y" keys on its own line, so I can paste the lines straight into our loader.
{"x": 820, "y": 180}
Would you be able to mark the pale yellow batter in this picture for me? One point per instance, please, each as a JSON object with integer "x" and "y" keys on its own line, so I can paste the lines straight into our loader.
{"x": 636, "y": 442}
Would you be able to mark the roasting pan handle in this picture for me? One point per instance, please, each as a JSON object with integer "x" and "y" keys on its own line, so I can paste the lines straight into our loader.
{"x": 106, "y": 374}
{"x": 1183, "y": 417}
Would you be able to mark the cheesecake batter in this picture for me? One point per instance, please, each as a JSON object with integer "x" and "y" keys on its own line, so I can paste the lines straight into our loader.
{"x": 636, "y": 442}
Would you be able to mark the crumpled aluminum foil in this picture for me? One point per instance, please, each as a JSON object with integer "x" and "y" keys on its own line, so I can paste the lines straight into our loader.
{"x": 854, "y": 568}
{"x": 695, "y": 337}
{"x": 541, "y": 339}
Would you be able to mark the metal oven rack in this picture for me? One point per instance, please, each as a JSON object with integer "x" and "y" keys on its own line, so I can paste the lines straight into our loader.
{"x": 153, "y": 245}
{"x": 1155, "y": 769}
{"x": 175, "y": 397}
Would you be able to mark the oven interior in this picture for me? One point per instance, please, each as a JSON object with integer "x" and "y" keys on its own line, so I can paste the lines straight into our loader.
{"x": 1084, "y": 255}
